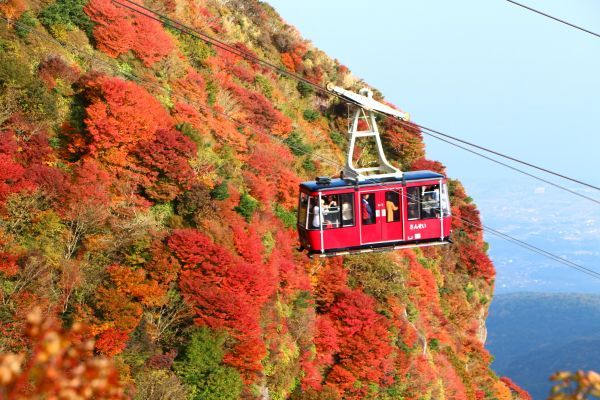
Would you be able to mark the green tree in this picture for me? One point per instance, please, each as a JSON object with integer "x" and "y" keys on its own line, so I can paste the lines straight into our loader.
{"x": 247, "y": 206}
{"x": 202, "y": 370}
{"x": 68, "y": 13}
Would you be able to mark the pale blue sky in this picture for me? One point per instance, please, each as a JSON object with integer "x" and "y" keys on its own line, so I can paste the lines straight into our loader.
{"x": 500, "y": 76}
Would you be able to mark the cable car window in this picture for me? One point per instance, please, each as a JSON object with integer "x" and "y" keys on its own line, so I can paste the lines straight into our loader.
{"x": 392, "y": 209}
{"x": 413, "y": 198}
{"x": 347, "y": 202}
{"x": 367, "y": 208}
{"x": 430, "y": 201}
{"x": 331, "y": 211}
{"x": 314, "y": 213}
{"x": 445, "y": 201}
{"x": 303, "y": 210}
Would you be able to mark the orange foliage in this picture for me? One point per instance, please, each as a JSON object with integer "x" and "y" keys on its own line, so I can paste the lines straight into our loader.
{"x": 119, "y": 115}
{"x": 364, "y": 344}
{"x": 60, "y": 365}
{"x": 403, "y": 140}
{"x": 425, "y": 164}
{"x": 271, "y": 178}
{"x": 12, "y": 174}
{"x": 119, "y": 30}
{"x": 12, "y": 9}
{"x": 259, "y": 111}
{"x": 227, "y": 293}
{"x": 523, "y": 395}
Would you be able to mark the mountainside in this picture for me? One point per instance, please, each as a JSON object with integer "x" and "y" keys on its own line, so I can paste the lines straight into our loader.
{"x": 533, "y": 335}
{"x": 148, "y": 185}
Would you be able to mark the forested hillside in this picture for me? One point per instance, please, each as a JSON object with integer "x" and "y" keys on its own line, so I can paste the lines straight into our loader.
{"x": 148, "y": 186}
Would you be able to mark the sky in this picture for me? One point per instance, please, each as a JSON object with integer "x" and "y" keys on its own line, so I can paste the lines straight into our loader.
{"x": 488, "y": 72}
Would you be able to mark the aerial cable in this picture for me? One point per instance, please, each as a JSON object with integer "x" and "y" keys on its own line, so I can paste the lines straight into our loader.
{"x": 507, "y": 157}
{"x": 517, "y": 170}
{"x": 163, "y": 19}
{"x": 132, "y": 76}
{"x": 534, "y": 249}
{"x": 554, "y": 18}
{"x": 136, "y": 7}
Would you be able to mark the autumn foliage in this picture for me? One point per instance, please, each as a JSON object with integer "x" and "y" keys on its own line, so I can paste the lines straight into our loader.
{"x": 119, "y": 30}
{"x": 61, "y": 365}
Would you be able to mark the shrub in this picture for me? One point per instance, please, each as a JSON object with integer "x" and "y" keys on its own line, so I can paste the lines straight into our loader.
{"x": 264, "y": 86}
{"x": 202, "y": 370}
{"x": 287, "y": 217}
{"x": 304, "y": 89}
{"x": 296, "y": 144}
{"x": 195, "y": 202}
{"x": 311, "y": 115}
{"x": 309, "y": 165}
{"x": 247, "y": 206}
{"x": 68, "y": 13}
{"x": 220, "y": 192}
{"x": 195, "y": 50}
{"x": 25, "y": 24}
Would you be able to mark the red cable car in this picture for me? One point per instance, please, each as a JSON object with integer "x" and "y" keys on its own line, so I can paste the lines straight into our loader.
{"x": 376, "y": 208}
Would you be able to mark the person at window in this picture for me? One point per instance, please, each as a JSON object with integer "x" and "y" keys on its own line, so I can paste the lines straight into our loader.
{"x": 367, "y": 211}
{"x": 330, "y": 202}
{"x": 347, "y": 211}
{"x": 428, "y": 205}
{"x": 391, "y": 205}
{"x": 331, "y": 212}
{"x": 316, "y": 222}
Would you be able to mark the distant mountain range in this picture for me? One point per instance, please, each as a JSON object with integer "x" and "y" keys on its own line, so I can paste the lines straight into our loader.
{"x": 533, "y": 335}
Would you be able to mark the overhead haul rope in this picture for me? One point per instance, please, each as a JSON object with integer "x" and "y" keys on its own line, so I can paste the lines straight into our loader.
{"x": 134, "y": 77}
{"x": 139, "y": 8}
{"x": 562, "y": 21}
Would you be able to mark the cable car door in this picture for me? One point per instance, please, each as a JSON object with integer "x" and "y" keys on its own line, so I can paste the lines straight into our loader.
{"x": 371, "y": 205}
{"x": 392, "y": 221}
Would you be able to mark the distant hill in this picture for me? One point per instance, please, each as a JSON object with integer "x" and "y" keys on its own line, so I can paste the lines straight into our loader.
{"x": 532, "y": 335}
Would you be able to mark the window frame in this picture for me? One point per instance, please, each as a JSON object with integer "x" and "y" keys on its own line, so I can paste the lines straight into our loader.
{"x": 398, "y": 204}
{"x": 338, "y": 198}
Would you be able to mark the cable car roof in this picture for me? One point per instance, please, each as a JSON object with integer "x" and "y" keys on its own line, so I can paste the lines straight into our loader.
{"x": 337, "y": 183}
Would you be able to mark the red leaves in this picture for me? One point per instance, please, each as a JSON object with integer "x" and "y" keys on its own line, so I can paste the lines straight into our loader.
{"x": 193, "y": 248}
{"x": 474, "y": 259}
{"x": 120, "y": 114}
{"x": 112, "y": 341}
{"x": 227, "y": 293}
{"x": 326, "y": 341}
{"x": 60, "y": 364}
{"x": 165, "y": 162}
{"x": 11, "y": 177}
{"x": 425, "y": 164}
{"x": 259, "y": 111}
{"x": 8, "y": 263}
{"x": 132, "y": 134}
{"x": 119, "y": 30}
{"x": 272, "y": 178}
{"x": 11, "y": 173}
{"x": 54, "y": 68}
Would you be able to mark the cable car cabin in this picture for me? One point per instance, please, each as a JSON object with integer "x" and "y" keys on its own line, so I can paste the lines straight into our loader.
{"x": 345, "y": 216}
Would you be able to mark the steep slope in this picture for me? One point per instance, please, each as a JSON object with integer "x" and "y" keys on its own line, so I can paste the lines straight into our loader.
{"x": 147, "y": 193}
